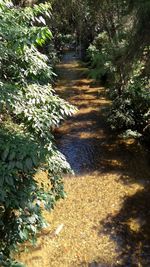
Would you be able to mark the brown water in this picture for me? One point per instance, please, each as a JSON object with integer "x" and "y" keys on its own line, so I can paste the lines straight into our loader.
{"x": 105, "y": 219}
{"x": 81, "y": 137}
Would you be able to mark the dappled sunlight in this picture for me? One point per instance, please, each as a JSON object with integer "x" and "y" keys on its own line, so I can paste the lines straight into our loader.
{"x": 104, "y": 221}
{"x": 85, "y": 207}
{"x": 130, "y": 229}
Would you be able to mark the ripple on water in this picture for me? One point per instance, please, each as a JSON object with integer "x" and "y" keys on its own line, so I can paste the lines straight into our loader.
{"x": 106, "y": 215}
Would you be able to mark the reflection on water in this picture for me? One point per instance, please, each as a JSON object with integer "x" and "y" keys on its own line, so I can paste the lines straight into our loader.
{"x": 106, "y": 215}
{"x": 90, "y": 146}
{"x": 79, "y": 137}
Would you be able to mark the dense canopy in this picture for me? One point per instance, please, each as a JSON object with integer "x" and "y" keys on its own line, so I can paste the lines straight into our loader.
{"x": 112, "y": 38}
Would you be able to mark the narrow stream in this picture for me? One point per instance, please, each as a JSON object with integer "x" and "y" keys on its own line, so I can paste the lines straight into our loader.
{"x": 80, "y": 137}
{"x": 105, "y": 219}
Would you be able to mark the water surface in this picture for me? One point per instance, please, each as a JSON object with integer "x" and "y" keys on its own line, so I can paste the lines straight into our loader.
{"x": 106, "y": 216}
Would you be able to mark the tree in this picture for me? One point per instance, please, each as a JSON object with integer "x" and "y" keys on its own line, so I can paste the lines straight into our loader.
{"x": 120, "y": 54}
{"x": 29, "y": 110}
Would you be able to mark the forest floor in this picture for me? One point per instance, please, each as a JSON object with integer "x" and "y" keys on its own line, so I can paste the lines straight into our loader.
{"x": 105, "y": 219}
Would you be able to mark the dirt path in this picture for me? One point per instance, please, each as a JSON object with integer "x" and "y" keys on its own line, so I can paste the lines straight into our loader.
{"x": 105, "y": 219}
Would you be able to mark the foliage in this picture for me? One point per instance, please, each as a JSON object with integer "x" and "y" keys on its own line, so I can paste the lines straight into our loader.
{"x": 101, "y": 57}
{"x": 131, "y": 109}
{"x": 76, "y": 17}
{"x": 113, "y": 57}
{"x": 63, "y": 41}
{"x": 117, "y": 32}
{"x": 29, "y": 110}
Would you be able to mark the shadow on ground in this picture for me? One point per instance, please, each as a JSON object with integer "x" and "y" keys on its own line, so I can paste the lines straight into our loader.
{"x": 106, "y": 216}
{"x": 89, "y": 146}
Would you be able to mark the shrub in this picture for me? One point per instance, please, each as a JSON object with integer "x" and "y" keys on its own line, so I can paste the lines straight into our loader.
{"x": 29, "y": 110}
{"x": 104, "y": 55}
{"x": 130, "y": 110}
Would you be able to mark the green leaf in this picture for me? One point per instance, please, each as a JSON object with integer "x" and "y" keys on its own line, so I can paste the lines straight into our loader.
{"x": 29, "y": 163}
{"x": 11, "y": 165}
{"x": 17, "y": 264}
{"x": 2, "y": 179}
{"x": 5, "y": 154}
{"x": 9, "y": 180}
{"x": 19, "y": 165}
{"x": 12, "y": 155}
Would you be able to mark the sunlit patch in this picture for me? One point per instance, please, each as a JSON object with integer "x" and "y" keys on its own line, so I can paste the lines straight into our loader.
{"x": 108, "y": 171}
{"x": 135, "y": 224}
{"x": 112, "y": 163}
